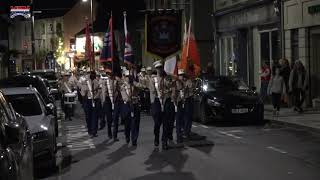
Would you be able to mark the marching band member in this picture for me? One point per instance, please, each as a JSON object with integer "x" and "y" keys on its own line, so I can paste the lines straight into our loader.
{"x": 92, "y": 92}
{"x": 64, "y": 88}
{"x": 108, "y": 101}
{"x": 117, "y": 103}
{"x": 180, "y": 101}
{"x": 189, "y": 89}
{"x": 160, "y": 104}
{"x": 130, "y": 110}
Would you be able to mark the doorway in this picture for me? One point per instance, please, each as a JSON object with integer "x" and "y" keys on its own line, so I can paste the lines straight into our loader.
{"x": 315, "y": 65}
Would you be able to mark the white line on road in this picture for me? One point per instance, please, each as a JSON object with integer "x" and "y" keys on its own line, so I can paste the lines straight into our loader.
{"x": 194, "y": 126}
{"x": 236, "y": 131}
{"x": 277, "y": 150}
{"x": 230, "y": 135}
{"x": 206, "y": 127}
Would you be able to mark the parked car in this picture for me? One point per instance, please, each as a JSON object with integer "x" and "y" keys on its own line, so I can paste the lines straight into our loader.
{"x": 226, "y": 98}
{"x": 16, "y": 145}
{"x": 36, "y": 82}
{"x": 48, "y": 74}
{"x": 28, "y": 102}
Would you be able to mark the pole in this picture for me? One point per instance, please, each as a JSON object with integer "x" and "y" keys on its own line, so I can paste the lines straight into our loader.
{"x": 111, "y": 32}
{"x": 32, "y": 36}
{"x": 93, "y": 53}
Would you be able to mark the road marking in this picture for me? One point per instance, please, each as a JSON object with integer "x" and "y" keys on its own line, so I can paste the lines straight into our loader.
{"x": 236, "y": 131}
{"x": 59, "y": 144}
{"x": 194, "y": 126}
{"x": 206, "y": 127}
{"x": 276, "y": 149}
{"x": 230, "y": 135}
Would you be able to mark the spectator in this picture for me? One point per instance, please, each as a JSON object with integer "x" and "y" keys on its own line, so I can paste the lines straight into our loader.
{"x": 265, "y": 75}
{"x": 276, "y": 89}
{"x": 285, "y": 73}
{"x": 298, "y": 84}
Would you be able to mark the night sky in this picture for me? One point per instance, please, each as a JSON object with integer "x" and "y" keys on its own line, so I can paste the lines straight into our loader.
{"x": 56, "y": 8}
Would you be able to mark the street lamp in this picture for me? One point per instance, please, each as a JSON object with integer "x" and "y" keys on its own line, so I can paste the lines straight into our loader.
{"x": 92, "y": 64}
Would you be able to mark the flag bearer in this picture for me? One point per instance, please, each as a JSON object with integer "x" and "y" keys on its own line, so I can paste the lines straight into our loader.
{"x": 183, "y": 105}
{"x": 117, "y": 106}
{"x": 92, "y": 93}
{"x": 188, "y": 93}
{"x": 108, "y": 101}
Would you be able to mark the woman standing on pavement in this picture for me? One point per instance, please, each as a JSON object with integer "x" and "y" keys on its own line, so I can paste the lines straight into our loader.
{"x": 265, "y": 75}
{"x": 285, "y": 73}
{"x": 276, "y": 89}
{"x": 298, "y": 84}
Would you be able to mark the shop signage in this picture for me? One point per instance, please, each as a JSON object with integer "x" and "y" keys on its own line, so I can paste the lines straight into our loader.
{"x": 24, "y": 11}
{"x": 163, "y": 33}
{"x": 314, "y": 9}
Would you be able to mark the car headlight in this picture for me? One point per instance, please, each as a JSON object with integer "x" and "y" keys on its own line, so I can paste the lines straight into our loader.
{"x": 40, "y": 135}
{"x": 212, "y": 102}
{"x": 205, "y": 88}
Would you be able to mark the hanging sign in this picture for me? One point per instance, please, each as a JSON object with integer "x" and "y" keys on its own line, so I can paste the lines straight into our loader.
{"x": 24, "y": 11}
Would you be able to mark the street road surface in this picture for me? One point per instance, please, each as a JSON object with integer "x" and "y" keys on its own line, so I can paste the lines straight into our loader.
{"x": 223, "y": 151}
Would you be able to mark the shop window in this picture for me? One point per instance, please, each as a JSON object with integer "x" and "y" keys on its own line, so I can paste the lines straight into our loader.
{"x": 270, "y": 48}
{"x": 265, "y": 48}
{"x": 276, "y": 46}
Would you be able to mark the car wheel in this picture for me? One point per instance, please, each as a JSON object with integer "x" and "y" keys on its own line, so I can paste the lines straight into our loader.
{"x": 203, "y": 114}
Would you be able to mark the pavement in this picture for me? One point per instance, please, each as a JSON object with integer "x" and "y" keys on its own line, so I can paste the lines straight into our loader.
{"x": 308, "y": 120}
{"x": 220, "y": 151}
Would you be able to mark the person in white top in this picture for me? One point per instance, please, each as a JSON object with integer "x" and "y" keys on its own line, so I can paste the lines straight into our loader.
{"x": 64, "y": 88}
{"x": 276, "y": 88}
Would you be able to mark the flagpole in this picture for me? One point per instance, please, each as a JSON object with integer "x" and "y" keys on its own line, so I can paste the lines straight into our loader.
{"x": 188, "y": 38}
{"x": 111, "y": 32}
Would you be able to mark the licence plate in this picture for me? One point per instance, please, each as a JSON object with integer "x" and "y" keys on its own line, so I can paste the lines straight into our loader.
{"x": 240, "y": 111}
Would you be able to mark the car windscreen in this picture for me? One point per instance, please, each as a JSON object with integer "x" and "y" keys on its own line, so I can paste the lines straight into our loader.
{"x": 25, "y": 104}
{"x": 225, "y": 84}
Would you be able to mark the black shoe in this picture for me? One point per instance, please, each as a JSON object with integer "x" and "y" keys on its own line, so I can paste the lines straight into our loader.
{"x": 115, "y": 140}
{"x": 101, "y": 128}
{"x": 156, "y": 143}
{"x": 94, "y": 135}
{"x": 128, "y": 141}
{"x": 134, "y": 144}
{"x": 165, "y": 147}
{"x": 70, "y": 119}
{"x": 110, "y": 136}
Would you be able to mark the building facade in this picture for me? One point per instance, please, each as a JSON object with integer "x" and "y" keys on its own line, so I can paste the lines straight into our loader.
{"x": 47, "y": 33}
{"x": 201, "y": 14}
{"x": 247, "y": 35}
{"x": 302, "y": 38}
{"x": 4, "y": 43}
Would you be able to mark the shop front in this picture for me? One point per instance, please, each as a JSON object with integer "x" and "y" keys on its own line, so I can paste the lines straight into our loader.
{"x": 246, "y": 38}
{"x": 302, "y": 32}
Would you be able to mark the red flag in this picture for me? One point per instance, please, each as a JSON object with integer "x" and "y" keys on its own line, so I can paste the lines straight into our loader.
{"x": 190, "y": 58}
{"x": 88, "y": 46}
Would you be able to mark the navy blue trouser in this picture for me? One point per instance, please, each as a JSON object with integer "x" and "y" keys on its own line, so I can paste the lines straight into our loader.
{"x": 188, "y": 114}
{"x": 161, "y": 118}
{"x": 92, "y": 116}
{"x": 170, "y": 115}
{"x": 115, "y": 118}
{"x": 107, "y": 113}
{"x": 180, "y": 121}
{"x": 132, "y": 124}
